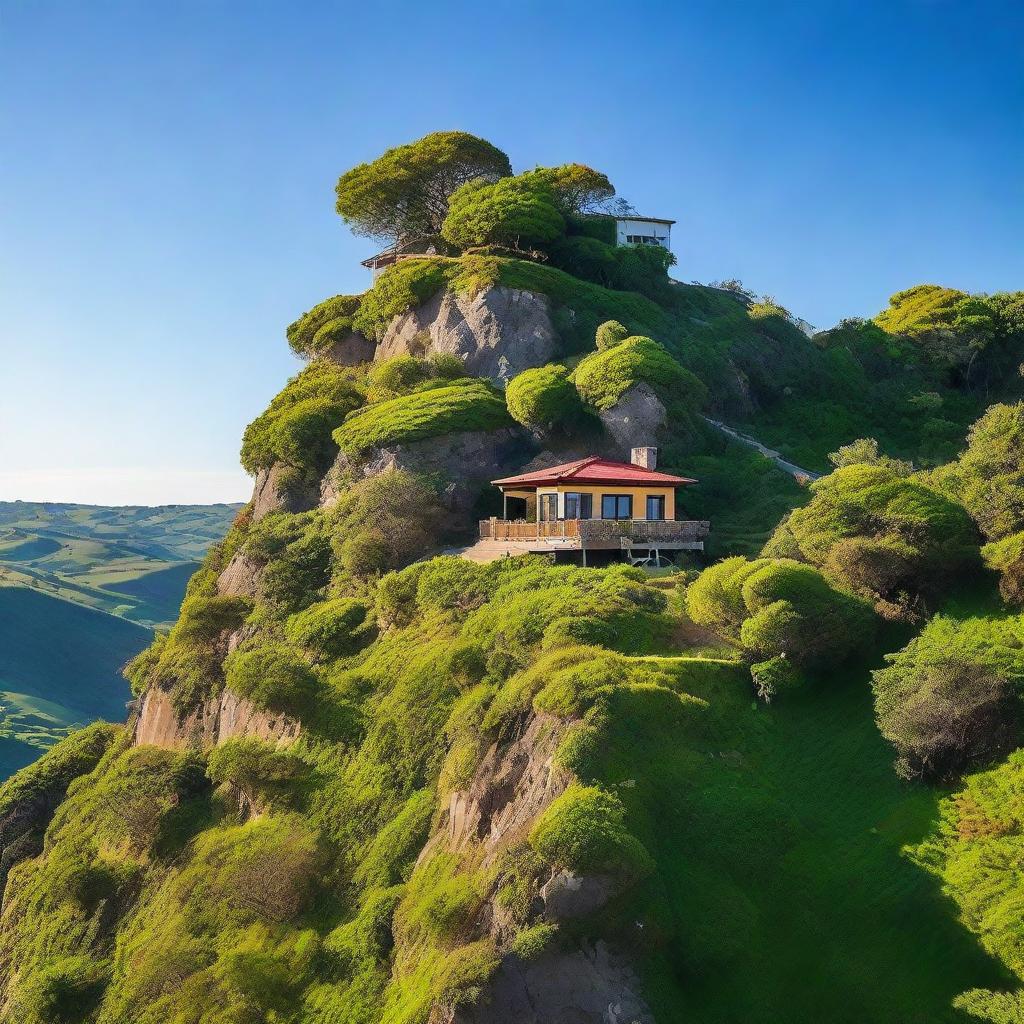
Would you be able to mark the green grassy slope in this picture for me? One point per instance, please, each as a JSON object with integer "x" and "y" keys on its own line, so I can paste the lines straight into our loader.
{"x": 787, "y": 898}
{"x": 59, "y": 665}
{"x": 129, "y": 561}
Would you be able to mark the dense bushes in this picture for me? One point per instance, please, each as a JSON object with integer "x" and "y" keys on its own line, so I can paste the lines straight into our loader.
{"x": 544, "y": 399}
{"x": 976, "y": 851}
{"x": 877, "y": 533}
{"x": 467, "y": 405}
{"x": 330, "y": 629}
{"x": 604, "y": 377}
{"x": 949, "y": 699}
{"x": 610, "y": 334}
{"x": 508, "y": 212}
{"x": 272, "y": 677}
{"x": 779, "y": 607}
{"x": 403, "y": 374}
{"x": 329, "y": 321}
{"x": 988, "y": 480}
{"x": 296, "y": 428}
{"x": 585, "y": 830}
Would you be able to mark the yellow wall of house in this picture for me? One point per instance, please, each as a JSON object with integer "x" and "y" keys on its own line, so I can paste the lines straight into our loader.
{"x": 639, "y": 495}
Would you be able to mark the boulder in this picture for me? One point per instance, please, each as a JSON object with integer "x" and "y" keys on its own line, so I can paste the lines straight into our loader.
{"x": 636, "y": 419}
{"x": 497, "y": 333}
{"x": 350, "y": 350}
{"x": 276, "y": 489}
{"x": 463, "y": 462}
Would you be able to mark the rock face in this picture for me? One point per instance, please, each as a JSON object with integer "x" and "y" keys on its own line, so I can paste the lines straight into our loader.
{"x": 636, "y": 419}
{"x": 464, "y": 462}
{"x": 227, "y": 717}
{"x": 497, "y": 333}
{"x": 351, "y": 350}
{"x": 276, "y": 490}
{"x": 590, "y": 985}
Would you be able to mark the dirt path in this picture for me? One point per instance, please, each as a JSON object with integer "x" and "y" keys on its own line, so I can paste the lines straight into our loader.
{"x": 798, "y": 472}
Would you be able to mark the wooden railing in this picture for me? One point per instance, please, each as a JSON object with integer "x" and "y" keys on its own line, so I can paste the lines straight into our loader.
{"x": 519, "y": 529}
{"x": 597, "y": 531}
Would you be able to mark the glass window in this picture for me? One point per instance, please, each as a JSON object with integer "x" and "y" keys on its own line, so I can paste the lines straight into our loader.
{"x": 616, "y": 506}
{"x": 578, "y": 506}
{"x": 548, "y": 508}
{"x": 655, "y": 506}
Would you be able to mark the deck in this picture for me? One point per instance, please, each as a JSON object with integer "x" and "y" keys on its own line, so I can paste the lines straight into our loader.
{"x": 598, "y": 534}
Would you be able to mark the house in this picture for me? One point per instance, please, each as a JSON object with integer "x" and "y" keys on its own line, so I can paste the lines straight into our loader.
{"x": 595, "y": 504}
{"x": 630, "y": 229}
{"x": 636, "y": 230}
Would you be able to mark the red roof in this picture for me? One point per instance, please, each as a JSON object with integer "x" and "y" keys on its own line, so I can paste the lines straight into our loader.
{"x": 594, "y": 470}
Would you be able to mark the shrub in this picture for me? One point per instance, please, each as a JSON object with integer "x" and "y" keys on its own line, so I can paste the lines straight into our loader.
{"x": 529, "y": 943}
{"x": 585, "y": 830}
{"x": 396, "y": 595}
{"x": 947, "y": 700}
{"x": 774, "y": 676}
{"x": 510, "y": 212}
{"x": 779, "y": 607}
{"x": 261, "y": 770}
{"x": 543, "y": 399}
{"x": 396, "y": 376}
{"x": 909, "y": 539}
{"x": 272, "y": 677}
{"x": 403, "y": 286}
{"x": 64, "y": 992}
{"x": 464, "y": 406}
{"x": 317, "y": 329}
{"x": 296, "y": 428}
{"x": 575, "y": 630}
{"x": 294, "y": 551}
{"x": 330, "y": 629}
{"x": 386, "y": 521}
{"x": 604, "y": 377}
{"x": 1006, "y": 556}
{"x": 610, "y": 334}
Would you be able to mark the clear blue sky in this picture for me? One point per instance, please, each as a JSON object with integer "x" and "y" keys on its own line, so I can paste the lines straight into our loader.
{"x": 166, "y": 181}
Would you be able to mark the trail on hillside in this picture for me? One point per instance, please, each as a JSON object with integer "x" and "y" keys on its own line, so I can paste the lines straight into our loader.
{"x": 798, "y": 472}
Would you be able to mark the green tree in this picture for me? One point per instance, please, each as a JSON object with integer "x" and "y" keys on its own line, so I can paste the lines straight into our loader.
{"x": 404, "y": 192}
{"x": 508, "y": 212}
{"x": 575, "y": 188}
{"x": 543, "y": 398}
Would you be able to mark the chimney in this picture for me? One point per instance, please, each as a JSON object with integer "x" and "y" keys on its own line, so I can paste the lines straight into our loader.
{"x": 645, "y": 457}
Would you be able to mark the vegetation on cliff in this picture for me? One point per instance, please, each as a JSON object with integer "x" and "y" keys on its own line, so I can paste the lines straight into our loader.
{"x": 440, "y": 770}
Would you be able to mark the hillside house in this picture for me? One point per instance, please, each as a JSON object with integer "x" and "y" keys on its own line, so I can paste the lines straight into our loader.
{"x": 636, "y": 230}
{"x": 629, "y": 230}
{"x": 595, "y": 504}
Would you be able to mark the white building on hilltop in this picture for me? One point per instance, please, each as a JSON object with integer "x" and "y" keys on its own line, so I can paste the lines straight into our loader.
{"x": 636, "y": 230}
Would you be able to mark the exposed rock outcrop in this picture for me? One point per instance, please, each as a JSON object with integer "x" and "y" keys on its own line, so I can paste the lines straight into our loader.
{"x": 223, "y": 718}
{"x": 351, "y": 350}
{"x": 278, "y": 489}
{"x": 498, "y": 332}
{"x": 636, "y": 419}
{"x": 463, "y": 462}
{"x": 589, "y": 985}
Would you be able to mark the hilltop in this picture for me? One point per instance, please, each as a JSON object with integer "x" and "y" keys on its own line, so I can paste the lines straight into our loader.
{"x": 370, "y": 782}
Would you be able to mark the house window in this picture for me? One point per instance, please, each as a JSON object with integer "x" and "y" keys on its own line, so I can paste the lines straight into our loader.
{"x": 616, "y": 506}
{"x": 548, "y": 508}
{"x": 655, "y": 506}
{"x": 578, "y": 506}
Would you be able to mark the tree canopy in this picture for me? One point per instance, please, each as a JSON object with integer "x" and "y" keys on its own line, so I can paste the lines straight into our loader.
{"x": 507, "y": 212}
{"x": 404, "y": 192}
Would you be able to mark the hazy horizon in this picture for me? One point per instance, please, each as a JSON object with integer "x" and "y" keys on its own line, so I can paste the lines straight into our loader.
{"x": 169, "y": 204}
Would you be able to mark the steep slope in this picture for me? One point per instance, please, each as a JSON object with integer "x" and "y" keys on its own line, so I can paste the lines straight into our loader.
{"x": 371, "y": 784}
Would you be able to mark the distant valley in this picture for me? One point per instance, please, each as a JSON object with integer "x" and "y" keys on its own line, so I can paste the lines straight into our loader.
{"x": 82, "y": 587}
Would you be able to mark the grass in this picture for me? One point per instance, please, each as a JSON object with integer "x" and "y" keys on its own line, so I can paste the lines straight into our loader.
{"x": 782, "y": 893}
{"x": 468, "y": 405}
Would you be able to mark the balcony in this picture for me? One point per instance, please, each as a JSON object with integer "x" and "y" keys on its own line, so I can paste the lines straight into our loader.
{"x": 598, "y": 534}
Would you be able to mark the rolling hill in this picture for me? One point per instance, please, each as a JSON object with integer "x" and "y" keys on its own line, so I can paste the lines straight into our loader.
{"x": 81, "y": 590}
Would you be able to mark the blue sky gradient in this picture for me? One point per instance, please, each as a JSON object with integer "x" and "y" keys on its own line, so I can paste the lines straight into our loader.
{"x": 168, "y": 170}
